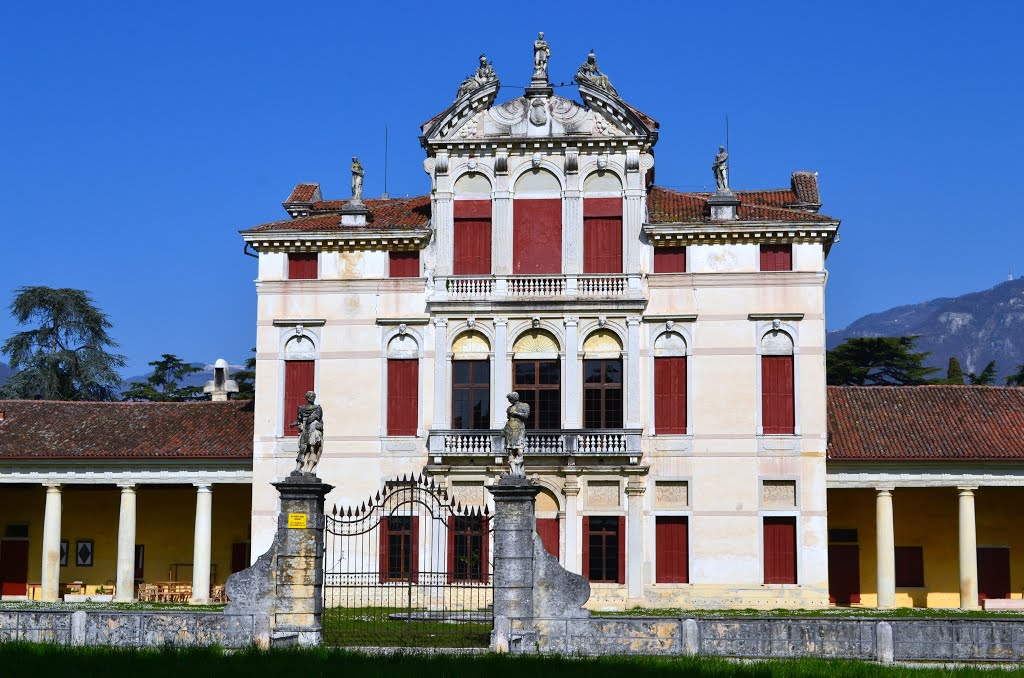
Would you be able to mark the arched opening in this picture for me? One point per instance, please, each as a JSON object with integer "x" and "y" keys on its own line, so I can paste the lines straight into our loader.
{"x": 472, "y": 237}
{"x": 471, "y": 382}
{"x": 602, "y": 380}
{"x": 548, "y": 529}
{"x": 778, "y": 411}
{"x": 299, "y": 378}
{"x": 670, "y": 384}
{"x": 537, "y": 224}
{"x": 537, "y": 377}
{"x": 602, "y": 223}
{"x": 402, "y": 385}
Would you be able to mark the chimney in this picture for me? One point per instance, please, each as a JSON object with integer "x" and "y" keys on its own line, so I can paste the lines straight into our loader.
{"x": 805, "y": 186}
{"x": 220, "y": 386}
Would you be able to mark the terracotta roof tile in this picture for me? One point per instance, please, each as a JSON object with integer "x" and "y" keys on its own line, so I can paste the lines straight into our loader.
{"x": 39, "y": 429}
{"x": 925, "y": 423}
{"x": 304, "y": 193}
{"x": 325, "y": 215}
{"x": 805, "y": 185}
{"x": 667, "y": 206}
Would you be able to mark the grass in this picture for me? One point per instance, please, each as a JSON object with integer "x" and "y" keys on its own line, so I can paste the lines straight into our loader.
{"x": 830, "y": 612}
{"x": 18, "y": 659}
{"x": 373, "y": 626}
{"x": 117, "y": 607}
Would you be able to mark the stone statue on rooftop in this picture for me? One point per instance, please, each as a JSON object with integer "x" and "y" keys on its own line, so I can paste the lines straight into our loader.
{"x": 590, "y": 74}
{"x": 721, "y": 169}
{"x": 357, "y": 180}
{"x": 515, "y": 434}
{"x": 541, "y": 54}
{"x": 310, "y": 422}
{"x": 484, "y": 74}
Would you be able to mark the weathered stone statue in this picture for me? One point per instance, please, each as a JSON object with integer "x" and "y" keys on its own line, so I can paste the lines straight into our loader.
{"x": 591, "y": 75}
{"x": 721, "y": 169}
{"x": 541, "y": 54}
{"x": 310, "y": 422}
{"x": 484, "y": 74}
{"x": 515, "y": 434}
{"x": 357, "y": 180}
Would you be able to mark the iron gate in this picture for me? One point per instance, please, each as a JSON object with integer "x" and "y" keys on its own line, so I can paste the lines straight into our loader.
{"x": 411, "y": 567}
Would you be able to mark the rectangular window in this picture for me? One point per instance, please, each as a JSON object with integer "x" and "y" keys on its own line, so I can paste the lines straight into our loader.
{"x": 472, "y": 237}
{"x": 539, "y": 383}
{"x": 670, "y": 395}
{"x": 298, "y": 378}
{"x": 671, "y": 550}
{"x": 776, "y": 257}
{"x": 604, "y": 549}
{"x": 993, "y": 572}
{"x": 602, "y": 393}
{"x": 404, "y": 264}
{"x": 780, "y": 550}
{"x": 471, "y": 394}
{"x": 909, "y": 566}
{"x": 537, "y": 236}
{"x": 843, "y": 573}
{"x": 399, "y": 558}
{"x": 670, "y": 259}
{"x": 602, "y": 235}
{"x": 777, "y": 400}
{"x": 302, "y": 266}
{"x": 548, "y": 530}
{"x": 467, "y": 548}
{"x": 403, "y": 396}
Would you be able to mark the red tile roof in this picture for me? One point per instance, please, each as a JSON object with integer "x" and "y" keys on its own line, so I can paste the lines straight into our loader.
{"x": 925, "y": 423}
{"x": 805, "y": 185}
{"x": 303, "y": 193}
{"x": 325, "y": 215}
{"x": 39, "y": 429}
{"x": 667, "y": 206}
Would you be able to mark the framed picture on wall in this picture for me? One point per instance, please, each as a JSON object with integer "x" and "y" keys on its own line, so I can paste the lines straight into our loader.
{"x": 64, "y": 546}
{"x": 83, "y": 553}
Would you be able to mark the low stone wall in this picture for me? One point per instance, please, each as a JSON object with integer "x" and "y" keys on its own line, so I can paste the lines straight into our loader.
{"x": 134, "y": 629}
{"x": 961, "y": 640}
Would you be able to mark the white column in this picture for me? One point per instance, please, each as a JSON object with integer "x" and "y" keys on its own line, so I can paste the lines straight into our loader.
{"x": 572, "y": 231}
{"x": 443, "y": 219}
{"x": 632, "y": 222}
{"x": 125, "y": 590}
{"x": 635, "y": 538}
{"x": 571, "y": 379}
{"x": 886, "y": 556}
{"x": 201, "y": 552}
{"x": 441, "y": 396}
{"x": 499, "y": 373}
{"x": 968, "y": 550}
{"x": 633, "y": 372}
{"x": 501, "y": 232}
{"x": 573, "y": 546}
{"x": 50, "y": 576}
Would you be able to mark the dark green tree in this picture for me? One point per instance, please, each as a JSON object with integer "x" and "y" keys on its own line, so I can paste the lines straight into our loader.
{"x": 987, "y": 376}
{"x": 164, "y": 384}
{"x": 65, "y": 356}
{"x": 1016, "y": 379}
{"x": 877, "y": 361}
{"x": 954, "y": 373}
{"x": 246, "y": 378}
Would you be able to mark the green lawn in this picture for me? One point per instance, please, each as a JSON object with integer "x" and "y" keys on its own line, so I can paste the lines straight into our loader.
{"x": 118, "y": 607}
{"x": 375, "y": 626}
{"x": 46, "y": 660}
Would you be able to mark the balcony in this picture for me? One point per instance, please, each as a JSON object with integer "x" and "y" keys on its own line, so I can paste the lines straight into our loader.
{"x": 486, "y": 444}
{"x": 586, "y": 289}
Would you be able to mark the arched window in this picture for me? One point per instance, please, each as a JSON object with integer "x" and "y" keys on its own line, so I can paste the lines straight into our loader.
{"x": 471, "y": 382}
{"x": 602, "y": 223}
{"x": 537, "y": 224}
{"x": 403, "y": 386}
{"x": 778, "y": 413}
{"x": 472, "y": 246}
{"x": 299, "y": 377}
{"x": 670, "y": 384}
{"x": 602, "y": 380}
{"x": 537, "y": 377}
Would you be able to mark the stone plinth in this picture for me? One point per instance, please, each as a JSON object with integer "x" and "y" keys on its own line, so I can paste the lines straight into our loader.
{"x": 514, "y": 527}
{"x": 723, "y": 205}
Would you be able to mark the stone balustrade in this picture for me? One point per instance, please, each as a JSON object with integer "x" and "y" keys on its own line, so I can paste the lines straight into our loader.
{"x": 555, "y": 286}
{"x": 551, "y": 443}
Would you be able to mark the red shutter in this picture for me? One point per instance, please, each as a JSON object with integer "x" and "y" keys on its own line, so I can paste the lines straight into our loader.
{"x": 780, "y": 550}
{"x": 670, "y": 543}
{"x": 602, "y": 235}
{"x": 302, "y": 266}
{"x": 777, "y": 403}
{"x": 298, "y": 378}
{"x": 670, "y": 260}
{"x": 14, "y": 567}
{"x": 993, "y": 572}
{"x": 670, "y": 395}
{"x": 485, "y": 551}
{"x": 382, "y": 549}
{"x": 586, "y": 547}
{"x": 776, "y": 257}
{"x": 451, "y": 549}
{"x": 472, "y": 237}
{"x": 843, "y": 574}
{"x": 403, "y": 396}
{"x": 622, "y": 550}
{"x": 414, "y": 575}
{"x": 547, "y": 528}
{"x": 537, "y": 236}
{"x": 404, "y": 264}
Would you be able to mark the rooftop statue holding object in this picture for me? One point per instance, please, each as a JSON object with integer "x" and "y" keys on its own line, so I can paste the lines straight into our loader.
{"x": 541, "y": 54}
{"x": 484, "y": 75}
{"x": 590, "y": 74}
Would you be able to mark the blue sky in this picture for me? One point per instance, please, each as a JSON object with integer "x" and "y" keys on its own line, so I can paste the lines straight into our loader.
{"x": 136, "y": 139}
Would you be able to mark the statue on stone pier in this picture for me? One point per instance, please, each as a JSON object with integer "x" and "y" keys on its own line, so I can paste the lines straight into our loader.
{"x": 515, "y": 434}
{"x": 541, "y": 54}
{"x": 357, "y": 180}
{"x": 721, "y": 169}
{"x": 484, "y": 75}
{"x": 590, "y": 74}
{"x": 310, "y": 422}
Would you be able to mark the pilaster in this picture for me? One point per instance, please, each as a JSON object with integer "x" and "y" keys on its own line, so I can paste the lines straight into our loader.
{"x": 499, "y": 372}
{"x": 443, "y": 221}
{"x": 501, "y": 231}
{"x": 573, "y": 546}
{"x": 635, "y": 488}
{"x": 440, "y": 373}
{"x": 633, "y": 395}
{"x": 572, "y": 381}
{"x": 572, "y": 231}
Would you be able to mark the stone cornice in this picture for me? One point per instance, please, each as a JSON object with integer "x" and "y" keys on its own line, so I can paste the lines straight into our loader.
{"x": 366, "y": 238}
{"x": 662, "y": 235}
{"x": 736, "y": 279}
{"x": 330, "y": 286}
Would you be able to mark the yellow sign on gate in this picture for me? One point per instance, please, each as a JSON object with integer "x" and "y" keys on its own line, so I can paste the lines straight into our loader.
{"x": 296, "y": 520}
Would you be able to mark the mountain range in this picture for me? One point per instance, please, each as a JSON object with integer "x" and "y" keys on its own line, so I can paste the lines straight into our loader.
{"x": 975, "y": 328}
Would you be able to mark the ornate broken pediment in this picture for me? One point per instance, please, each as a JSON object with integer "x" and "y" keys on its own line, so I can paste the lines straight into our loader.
{"x": 537, "y": 117}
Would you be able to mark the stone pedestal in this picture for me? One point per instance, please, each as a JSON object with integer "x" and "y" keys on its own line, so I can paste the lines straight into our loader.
{"x": 723, "y": 205}
{"x": 514, "y": 526}
{"x": 286, "y": 582}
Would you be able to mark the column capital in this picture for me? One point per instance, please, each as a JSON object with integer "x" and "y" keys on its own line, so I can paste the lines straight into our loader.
{"x": 884, "y": 490}
{"x": 635, "y": 490}
{"x": 126, "y": 487}
{"x": 499, "y": 321}
{"x": 53, "y": 487}
{"x": 570, "y": 321}
{"x": 965, "y": 490}
{"x": 440, "y": 322}
{"x": 633, "y": 320}
{"x": 571, "y": 488}
{"x": 202, "y": 487}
